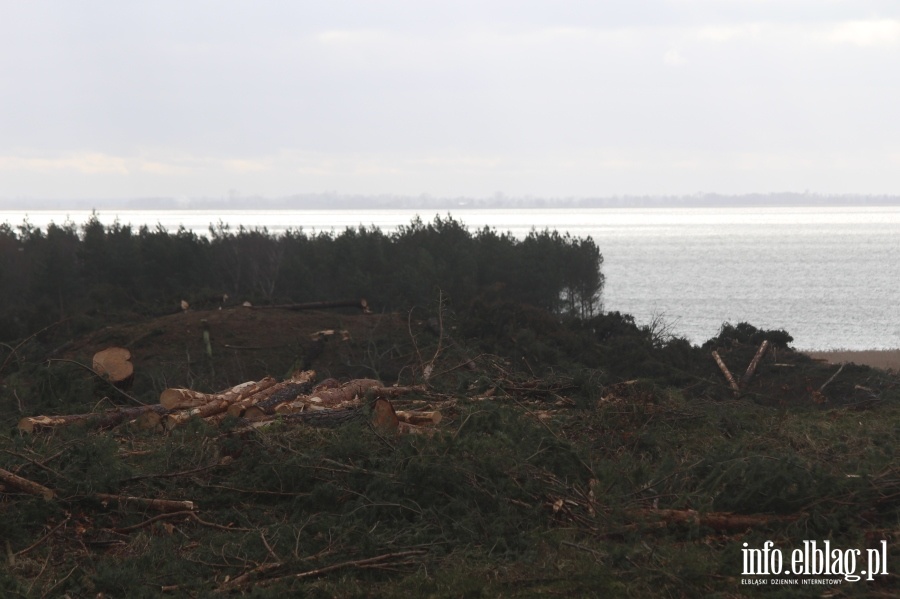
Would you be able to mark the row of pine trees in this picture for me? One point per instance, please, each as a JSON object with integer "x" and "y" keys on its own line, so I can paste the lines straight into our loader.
{"x": 94, "y": 270}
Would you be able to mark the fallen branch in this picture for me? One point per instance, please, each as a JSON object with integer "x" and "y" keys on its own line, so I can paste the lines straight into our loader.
{"x": 42, "y": 539}
{"x": 226, "y": 460}
{"x": 160, "y": 505}
{"x": 146, "y": 523}
{"x": 833, "y": 376}
{"x": 13, "y": 351}
{"x": 371, "y": 562}
{"x": 100, "y": 376}
{"x": 248, "y": 577}
{"x": 23, "y": 484}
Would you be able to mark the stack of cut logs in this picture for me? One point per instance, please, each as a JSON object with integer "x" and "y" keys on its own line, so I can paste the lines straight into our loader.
{"x": 260, "y": 403}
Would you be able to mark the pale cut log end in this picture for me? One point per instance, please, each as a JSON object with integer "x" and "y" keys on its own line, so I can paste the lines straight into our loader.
{"x": 114, "y": 364}
{"x": 172, "y": 398}
{"x": 32, "y": 424}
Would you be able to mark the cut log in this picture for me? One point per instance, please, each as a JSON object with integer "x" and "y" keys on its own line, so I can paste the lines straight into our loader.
{"x": 100, "y": 420}
{"x": 419, "y": 418}
{"x": 383, "y": 417}
{"x": 727, "y": 373}
{"x": 300, "y": 383}
{"x": 179, "y": 399}
{"x": 218, "y": 405}
{"x": 754, "y": 363}
{"x": 347, "y": 393}
{"x": 268, "y": 402}
{"x": 159, "y": 505}
{"x": 114, "y": 364}
{"x": 398, "y": 391}
{"x": 266, "y": 406}
{"x": 23, "y": 484}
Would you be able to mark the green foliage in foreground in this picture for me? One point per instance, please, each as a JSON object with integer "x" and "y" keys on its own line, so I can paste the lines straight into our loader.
{"x": 564, "y": 445}
{"x": 498, "y": 503}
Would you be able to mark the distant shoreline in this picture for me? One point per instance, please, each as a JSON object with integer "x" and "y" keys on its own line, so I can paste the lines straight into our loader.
{"x": 335, "y": 201}
{"x": 888, "y": 359}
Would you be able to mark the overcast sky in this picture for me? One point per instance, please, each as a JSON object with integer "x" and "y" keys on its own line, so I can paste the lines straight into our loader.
{"x": 124, "y": 99}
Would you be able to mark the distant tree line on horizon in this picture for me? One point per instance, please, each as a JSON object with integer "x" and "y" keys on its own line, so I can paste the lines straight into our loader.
{"x": 338, "y": 201}
{"x": 102, "y": 271}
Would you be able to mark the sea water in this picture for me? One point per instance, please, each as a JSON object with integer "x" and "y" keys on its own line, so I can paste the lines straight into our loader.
{"x": 828, "y": 276}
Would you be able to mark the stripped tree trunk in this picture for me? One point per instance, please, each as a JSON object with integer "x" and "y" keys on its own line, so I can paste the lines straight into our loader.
{"x": 727, "y": 373}
{"x": 159, "y": 505}
{"x": 217, "y": 405}
{"x": 101, "y": 420}
{"x": 285, "y": 391}
{"x": 176, "y": 399}
{"x": 755, "y": 362}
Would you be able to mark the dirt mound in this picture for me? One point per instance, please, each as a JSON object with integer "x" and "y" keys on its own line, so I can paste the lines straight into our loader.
{"x": 248, "y": 344}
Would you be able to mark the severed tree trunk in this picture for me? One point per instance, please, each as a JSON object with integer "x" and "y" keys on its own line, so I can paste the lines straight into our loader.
{"x": 23, "y": 484}
{"x": 216, "y": 406}
{"x": 751, "y": 368}
{"x": 114, "y": 364}
{"x": 176, "y": 399}
{"x": 297, "y": 385}
{"x": 100, "y": 420}
{"x": 347, "y": 394}
{"x": 330, "y": 398}
{"x": 286, "y": 392}
{"x": 383, "y": 417}
{"x": 159, "y": 505}
{"x": 727, "y": 373}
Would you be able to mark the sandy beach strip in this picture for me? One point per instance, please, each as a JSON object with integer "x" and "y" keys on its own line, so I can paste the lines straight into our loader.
{"x": 878, "y": 358}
